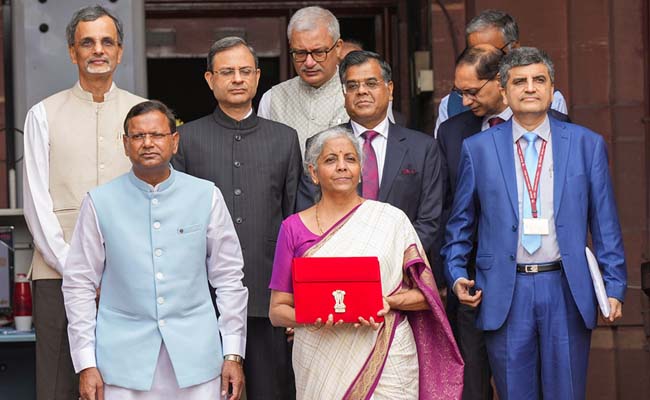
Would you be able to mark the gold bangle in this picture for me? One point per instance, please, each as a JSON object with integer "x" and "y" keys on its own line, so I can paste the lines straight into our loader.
{"x": 234, "y": 357}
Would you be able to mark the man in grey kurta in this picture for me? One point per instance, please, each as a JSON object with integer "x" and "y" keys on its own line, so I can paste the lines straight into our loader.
{"x": 256, "y": 164}
{"x": 313, "y": 100}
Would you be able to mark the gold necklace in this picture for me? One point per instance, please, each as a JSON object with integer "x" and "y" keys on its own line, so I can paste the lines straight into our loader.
{"x": 317, "y": 220}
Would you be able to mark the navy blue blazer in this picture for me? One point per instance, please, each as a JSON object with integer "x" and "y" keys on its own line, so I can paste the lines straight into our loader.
{"x": 584, "y": 203}
{"x": 411, "y": 180}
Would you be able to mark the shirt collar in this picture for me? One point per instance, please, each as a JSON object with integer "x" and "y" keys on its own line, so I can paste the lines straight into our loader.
{"x": 543, "y": 130}
{"x": 505, "y": 115}
{"x": 381, "y": 128}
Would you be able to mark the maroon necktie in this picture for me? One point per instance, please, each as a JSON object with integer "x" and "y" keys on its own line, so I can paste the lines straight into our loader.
{"x": 370, "y": 172}
{"x": 495, "y": 121}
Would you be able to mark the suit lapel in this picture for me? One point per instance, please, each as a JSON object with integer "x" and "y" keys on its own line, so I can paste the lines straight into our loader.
{"x": 395, "y": 152}
{"x": 502, "y": 136}
{"x": 561, "y": 145}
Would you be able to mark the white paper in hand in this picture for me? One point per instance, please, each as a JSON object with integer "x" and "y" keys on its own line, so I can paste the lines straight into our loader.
{"x": 599, "y": 285}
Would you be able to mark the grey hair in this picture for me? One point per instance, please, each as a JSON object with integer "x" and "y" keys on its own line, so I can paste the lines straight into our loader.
{"x": 318, "y": 142}
{"x": 358, "y": 57}
{"x": 91, "y": 13}
{"x": 309, "y": 18}
{"x": 228, "y": 43}
{"x": 521, "y": 57}
{"x": 495, "y": 19}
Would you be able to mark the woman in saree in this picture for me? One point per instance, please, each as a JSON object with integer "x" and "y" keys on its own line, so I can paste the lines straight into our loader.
{"x": 412, "y": 354}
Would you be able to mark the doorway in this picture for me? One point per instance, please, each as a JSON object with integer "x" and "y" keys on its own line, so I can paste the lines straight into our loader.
{"x": 179, "y": 35}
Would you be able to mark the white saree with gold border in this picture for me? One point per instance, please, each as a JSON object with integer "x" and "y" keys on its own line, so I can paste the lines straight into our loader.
{"x": 361, "y": 363}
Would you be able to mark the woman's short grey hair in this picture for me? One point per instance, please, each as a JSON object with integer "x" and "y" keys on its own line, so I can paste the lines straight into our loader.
{"x": 318, "y": 142}
{"x": 228, "y": 43}
{"x": 91, "y": 13}
{"x": 521, "y": 57}
{"x": 309, "y": 18}
{"x": 495, "y": 19}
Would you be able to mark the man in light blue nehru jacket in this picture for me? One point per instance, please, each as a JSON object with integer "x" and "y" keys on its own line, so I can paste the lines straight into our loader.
{"x": 153, "y": 238}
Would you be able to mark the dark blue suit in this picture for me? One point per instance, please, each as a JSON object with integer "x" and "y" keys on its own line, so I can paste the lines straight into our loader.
{"x": 410, "y": 181}
{"x": 583, "y": 201}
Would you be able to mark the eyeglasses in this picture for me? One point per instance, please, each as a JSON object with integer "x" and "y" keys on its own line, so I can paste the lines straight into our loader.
{"x": 470, "y": 93}
{"x": 229, "y": 73}
{"x": 319, "y": 55}
{"x": 502, "y": 48}
{"x": 156, "y": 137}
{"x": 354, "y": 86}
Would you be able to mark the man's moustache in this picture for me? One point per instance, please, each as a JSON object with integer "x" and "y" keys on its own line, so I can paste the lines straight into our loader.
{"x": 317, "y": 68}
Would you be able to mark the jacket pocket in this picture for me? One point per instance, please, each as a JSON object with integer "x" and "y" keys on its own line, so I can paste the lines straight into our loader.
{"x": 184, "y": 230}
{"x": 484, "y": 261}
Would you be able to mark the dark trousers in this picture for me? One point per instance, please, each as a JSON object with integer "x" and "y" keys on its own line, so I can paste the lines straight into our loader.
{"x": 55, "y": 376}
{"x": 269, "y": 374}
{"x": 471, "y": 343}
{"x": 476, "y": 378}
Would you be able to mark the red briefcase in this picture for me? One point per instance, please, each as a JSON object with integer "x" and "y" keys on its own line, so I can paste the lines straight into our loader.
{"x": 346, "y": 287}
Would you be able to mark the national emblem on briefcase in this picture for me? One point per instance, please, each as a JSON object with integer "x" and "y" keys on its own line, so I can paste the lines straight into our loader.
{"x": 339, "y": 297}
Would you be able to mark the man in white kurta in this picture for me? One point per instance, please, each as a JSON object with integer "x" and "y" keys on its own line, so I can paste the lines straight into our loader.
{"x": 72, "y": 144}
{"x": 153, "y": 238}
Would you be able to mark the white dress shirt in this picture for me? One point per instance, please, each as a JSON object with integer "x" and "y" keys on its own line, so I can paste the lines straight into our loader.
{"x": 378, "y": 143}
{"x": 85, "y": 266}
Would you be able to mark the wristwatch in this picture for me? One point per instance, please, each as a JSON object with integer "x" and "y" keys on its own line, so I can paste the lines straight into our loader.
{"x": 234, "y": 357}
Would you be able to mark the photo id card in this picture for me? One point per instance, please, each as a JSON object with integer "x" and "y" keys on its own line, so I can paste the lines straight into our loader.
{"x": 535, "y": 226}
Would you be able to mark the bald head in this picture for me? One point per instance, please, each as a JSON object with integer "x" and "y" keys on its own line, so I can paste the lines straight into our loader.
{"x": 485, "y": 59}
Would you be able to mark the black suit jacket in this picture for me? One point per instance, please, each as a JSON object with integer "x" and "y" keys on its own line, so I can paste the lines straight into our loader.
{"x": 451, "y": 134}
{"x": 410, "y": 181}
{"x": 256, "y": 164}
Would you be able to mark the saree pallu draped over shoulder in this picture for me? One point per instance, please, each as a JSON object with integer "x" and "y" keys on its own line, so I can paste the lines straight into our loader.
{"x": 413, "y": 355}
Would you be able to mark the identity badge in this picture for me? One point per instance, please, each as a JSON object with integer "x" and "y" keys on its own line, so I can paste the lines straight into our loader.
{"x": 535, "y": 226}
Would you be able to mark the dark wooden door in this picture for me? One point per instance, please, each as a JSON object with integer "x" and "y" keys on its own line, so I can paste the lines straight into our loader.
{"x": 179, "y": 34}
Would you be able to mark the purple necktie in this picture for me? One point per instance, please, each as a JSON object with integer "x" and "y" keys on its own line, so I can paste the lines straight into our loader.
{"x": 370, "y": 172}
{"x": 495, "y": 121}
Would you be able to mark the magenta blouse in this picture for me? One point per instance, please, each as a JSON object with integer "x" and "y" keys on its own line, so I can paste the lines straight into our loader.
{"x": 294, "y": 239}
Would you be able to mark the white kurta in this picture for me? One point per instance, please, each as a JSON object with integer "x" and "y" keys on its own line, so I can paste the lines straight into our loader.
{"x": 83, "y": 273}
